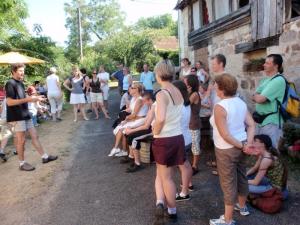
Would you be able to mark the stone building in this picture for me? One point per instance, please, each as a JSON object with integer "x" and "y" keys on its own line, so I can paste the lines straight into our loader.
{"x": 245, "y": 31}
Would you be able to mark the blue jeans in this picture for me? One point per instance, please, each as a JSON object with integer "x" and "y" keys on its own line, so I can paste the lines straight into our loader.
{"x": 263, "y": 186}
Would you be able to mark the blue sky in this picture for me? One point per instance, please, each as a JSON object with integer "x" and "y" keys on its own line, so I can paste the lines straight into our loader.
{"x": 50, "y": 14}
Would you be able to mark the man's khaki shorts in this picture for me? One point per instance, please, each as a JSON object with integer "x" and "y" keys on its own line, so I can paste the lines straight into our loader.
{"x": 22, "y": 125}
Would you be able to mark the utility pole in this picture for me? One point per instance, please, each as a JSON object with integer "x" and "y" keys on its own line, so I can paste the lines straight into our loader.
{"x": 79, "y": 31}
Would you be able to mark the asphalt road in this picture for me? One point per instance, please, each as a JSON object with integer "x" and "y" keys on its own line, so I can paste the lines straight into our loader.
{"x": 97, "y": 190}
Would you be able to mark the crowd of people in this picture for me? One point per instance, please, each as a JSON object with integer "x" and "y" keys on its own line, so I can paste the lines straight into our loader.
{"x": 172, "y": 121}
{"x": 22, "y": 108}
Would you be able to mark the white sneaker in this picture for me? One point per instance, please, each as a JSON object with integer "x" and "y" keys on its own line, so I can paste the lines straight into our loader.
{"x": 243, "y": 211}
{"x": 121, "y": 153}
{"x": 114, "y": 151}
{"x": 220, "y": 221}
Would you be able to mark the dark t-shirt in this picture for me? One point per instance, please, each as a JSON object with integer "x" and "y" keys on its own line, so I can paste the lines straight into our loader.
{"x": 119, "y": 76}
{"x": 15, "y": 89}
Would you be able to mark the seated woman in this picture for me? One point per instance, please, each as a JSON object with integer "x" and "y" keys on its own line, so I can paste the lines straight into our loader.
{"x": 269, "y": 171}
{"x": 138, "y": 112}
{"x": 135, "y": 136}
{"x": 124, "y": 108}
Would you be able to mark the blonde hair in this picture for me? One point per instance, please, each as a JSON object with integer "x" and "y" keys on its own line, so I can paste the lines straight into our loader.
{"x": 165, "y": 70}
{"x": 139, "y": 86}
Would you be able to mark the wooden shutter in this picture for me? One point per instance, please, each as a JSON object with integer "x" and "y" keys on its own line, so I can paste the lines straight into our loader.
{"x": 267, "y": 18}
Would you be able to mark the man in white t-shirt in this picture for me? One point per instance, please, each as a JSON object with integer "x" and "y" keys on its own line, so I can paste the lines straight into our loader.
{"x": 104, "y": 78}
{"x": 55, "y": 95}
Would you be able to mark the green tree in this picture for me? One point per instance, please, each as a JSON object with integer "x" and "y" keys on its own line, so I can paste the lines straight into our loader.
{"x": 99, "y": 18}
{"x": 162, "y": 22}
{"x": 137, "y": 48}
{"x": 41, "y": 47}
{"x": 12, "y": 15}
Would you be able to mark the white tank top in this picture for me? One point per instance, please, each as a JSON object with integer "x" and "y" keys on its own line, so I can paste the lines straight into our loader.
{"x": 172, "y": 125}
{"x": 144, "y": 109}
{"x": 236, "y": 110}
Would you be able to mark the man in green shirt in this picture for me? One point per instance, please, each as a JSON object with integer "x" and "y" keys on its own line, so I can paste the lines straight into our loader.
{"x": 268, "y": 93}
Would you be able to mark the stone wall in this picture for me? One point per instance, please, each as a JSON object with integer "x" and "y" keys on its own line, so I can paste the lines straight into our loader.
{"x": 289, "y": 47}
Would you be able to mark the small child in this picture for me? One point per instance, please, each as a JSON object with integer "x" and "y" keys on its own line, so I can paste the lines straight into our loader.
{"x": 32, "y": 106}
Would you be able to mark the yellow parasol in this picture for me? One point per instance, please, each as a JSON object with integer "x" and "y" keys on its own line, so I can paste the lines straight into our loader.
{"x": 16, "y": 57}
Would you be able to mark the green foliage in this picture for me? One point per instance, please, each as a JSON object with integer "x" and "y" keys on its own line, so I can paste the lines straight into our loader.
{"x": 99, "y": 19}
{"x": 163, "y": 22}
{"x": 12, "y": 14}
{"x": 291, "y": 133}
{"x": 39, "y": 47}
{"x": 128, "y": 46}
{"x": 172, "y": 55}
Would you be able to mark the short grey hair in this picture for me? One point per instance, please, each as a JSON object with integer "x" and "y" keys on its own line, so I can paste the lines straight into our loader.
{"x": 52, "y": 70}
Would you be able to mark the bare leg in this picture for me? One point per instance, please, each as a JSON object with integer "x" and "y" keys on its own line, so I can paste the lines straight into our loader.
{"x": 35, "y": 141}
{"x": 196, "y": 159}
{"x": 186, "y": 176}
{"x": 118, "y": 139}
{"x": 106, "y": 105}
{"x": 104, "y": 111}
{"x": 94, "y": 105}
{"x": 159, "y": 191}
{"x": 131, "y": 154}
{"x": 242, "y": 201}
{"x": 124, "y": 143}
{"x": 82, "y": 110}
{"x": 228, "y": 213}
{"x": 136, "y": 154}
{"x": 20, "y": 144}
{"x": 75, "y": 109}
{"x": 168, "y": 184}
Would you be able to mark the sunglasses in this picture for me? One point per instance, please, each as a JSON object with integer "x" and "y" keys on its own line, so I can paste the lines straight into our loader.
{"x": 94, "y": 73}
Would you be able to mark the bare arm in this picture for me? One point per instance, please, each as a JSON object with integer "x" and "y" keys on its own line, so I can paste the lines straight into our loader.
{"x": 257, "y": 98}
{"x": 264, "y": 165}
{"x": 194, "y": 98}
{"x": 136, "y": 110}
{"x": 254, "y": 168}
{"x": 250, "y": 128}
{"x": 66, "y": 84}
{"x": 13, "y": 102}
{"x": 220, "y": 120}
{"x": 58, "y": 86}
{"x": 161, "y": 111}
